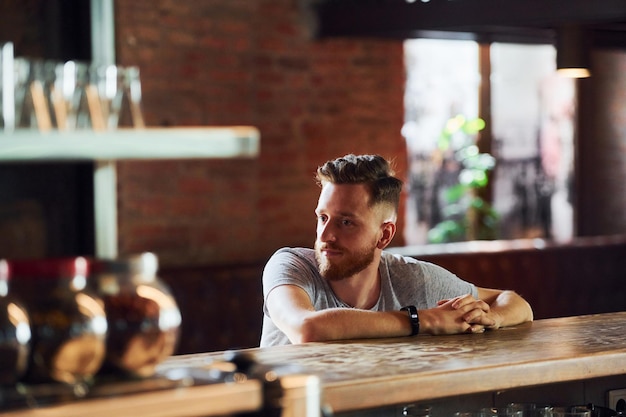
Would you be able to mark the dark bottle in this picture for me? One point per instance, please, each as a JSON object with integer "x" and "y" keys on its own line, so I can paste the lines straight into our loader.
{"x": 143, "y": 317}
{"x": 68, "y": 323}
{"x": 15, "y": 334}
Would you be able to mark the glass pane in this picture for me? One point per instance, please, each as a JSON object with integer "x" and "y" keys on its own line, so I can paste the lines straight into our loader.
{"x": 533, "y": 113}
{"x": 442, "y": 82}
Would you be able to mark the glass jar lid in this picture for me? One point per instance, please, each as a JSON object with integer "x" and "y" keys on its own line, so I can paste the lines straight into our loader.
{"x": 70, "y": 267}
{"x": 145, "y": 264}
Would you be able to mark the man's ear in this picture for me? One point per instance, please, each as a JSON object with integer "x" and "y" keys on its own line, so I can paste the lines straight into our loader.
{"x": 388, "y": 232}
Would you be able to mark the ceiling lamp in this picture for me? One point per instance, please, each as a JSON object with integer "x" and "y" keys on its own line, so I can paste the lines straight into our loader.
{"x": 572, "y": 52}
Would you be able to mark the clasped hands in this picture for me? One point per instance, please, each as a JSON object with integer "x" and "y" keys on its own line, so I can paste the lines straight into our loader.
{"x": 465, "y": 314}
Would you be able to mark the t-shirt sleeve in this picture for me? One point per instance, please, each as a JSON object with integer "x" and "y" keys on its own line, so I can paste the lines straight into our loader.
{"x": 409, "y": 281}
{"x": 441, "y": 284}
{"x": 287, "y": 267}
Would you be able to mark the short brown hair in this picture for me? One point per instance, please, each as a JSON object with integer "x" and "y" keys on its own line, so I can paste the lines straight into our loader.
{"x": 372, "y": 170}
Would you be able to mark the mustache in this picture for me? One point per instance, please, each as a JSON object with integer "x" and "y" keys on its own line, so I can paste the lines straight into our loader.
{"x": 329, "y": 246}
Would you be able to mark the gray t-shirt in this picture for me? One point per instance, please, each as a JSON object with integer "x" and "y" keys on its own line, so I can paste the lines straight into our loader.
{"x": 404, "y": 281}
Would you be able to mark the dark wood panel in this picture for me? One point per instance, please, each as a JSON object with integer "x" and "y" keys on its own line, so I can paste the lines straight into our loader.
{"x": 46, "y": 209}
{"x": 529, "y": 21}
{"x": 563, "y": 280}
{"x": 221, "y": 305}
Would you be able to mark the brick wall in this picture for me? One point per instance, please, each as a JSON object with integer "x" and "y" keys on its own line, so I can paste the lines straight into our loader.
{"x": 249, "y": 62}
{"x": 227, "y": 62}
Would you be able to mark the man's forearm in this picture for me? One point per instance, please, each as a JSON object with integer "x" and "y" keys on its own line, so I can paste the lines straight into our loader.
{"x": 511, "y": 308}
{"x": 347, "y": 323}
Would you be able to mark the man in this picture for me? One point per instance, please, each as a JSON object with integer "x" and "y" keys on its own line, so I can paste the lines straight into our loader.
{"x": 349, "y": 288}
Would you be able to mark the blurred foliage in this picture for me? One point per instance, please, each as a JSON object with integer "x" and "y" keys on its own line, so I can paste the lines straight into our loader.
{"x": 467, "y": 215}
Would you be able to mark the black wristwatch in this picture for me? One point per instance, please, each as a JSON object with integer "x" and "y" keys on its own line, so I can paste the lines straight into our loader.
{"x": 414, "y": 318}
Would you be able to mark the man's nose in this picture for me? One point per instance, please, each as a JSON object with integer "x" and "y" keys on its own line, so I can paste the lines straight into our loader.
{"x": 325, "y": 232}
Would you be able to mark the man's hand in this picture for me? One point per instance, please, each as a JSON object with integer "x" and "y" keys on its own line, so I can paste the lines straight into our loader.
{"x": 478, "y": 314}
{"x": 463, "y": 314}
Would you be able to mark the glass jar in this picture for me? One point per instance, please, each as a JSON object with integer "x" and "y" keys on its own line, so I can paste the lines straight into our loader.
{"x": 68, "y": 323}
{"x": 15, "y": 334}
{"x": 143, "y": 317}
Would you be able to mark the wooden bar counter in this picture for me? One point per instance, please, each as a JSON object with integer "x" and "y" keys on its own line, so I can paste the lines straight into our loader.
{"x": 373, "y": 373}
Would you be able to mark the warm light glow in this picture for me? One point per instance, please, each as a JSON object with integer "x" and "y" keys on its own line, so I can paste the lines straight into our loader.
{"x": 92, "y": 308}
{"x": 573, "y": 50}
{"x": 169, "y": 316}
{"x": 574, "y": 72}
{"x": 19, "y": 319}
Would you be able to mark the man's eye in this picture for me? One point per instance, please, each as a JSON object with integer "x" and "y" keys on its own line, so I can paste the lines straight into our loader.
{"x": 347, "y": 222}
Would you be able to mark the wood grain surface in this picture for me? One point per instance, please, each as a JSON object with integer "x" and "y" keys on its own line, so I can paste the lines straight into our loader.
{"x": 371, "y": 373}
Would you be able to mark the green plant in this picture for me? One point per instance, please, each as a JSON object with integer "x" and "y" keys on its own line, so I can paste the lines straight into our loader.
{"x": 467, "y": 215}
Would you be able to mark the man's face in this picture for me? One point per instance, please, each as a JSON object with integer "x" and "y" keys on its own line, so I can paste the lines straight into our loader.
{"x": 348, "y": 230}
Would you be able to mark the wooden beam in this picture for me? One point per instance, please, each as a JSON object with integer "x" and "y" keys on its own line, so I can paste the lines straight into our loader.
{"x": 499, "y": 20}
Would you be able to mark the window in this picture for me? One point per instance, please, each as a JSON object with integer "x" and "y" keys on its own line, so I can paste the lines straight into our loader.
{"x": 531, "y": 135}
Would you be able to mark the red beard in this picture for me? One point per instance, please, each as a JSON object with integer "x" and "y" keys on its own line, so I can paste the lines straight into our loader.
{"x": 349, "y": 264}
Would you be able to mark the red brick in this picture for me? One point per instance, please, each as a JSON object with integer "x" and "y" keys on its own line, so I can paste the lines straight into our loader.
{"x": 249, "y": 62}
